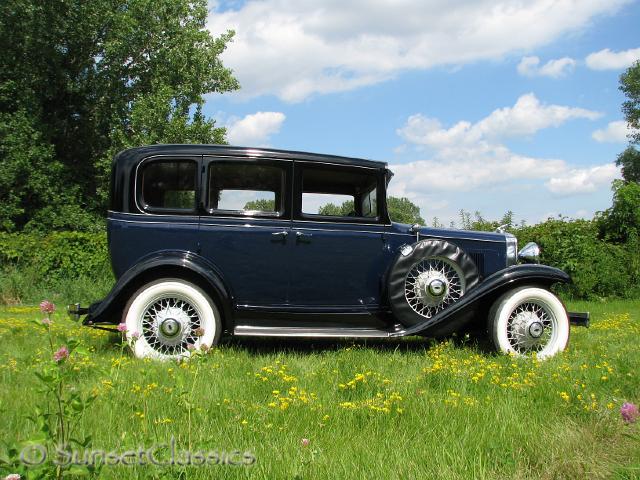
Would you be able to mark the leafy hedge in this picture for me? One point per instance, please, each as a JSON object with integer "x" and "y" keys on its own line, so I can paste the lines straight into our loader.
{"x": 598, "y": 268}
{"x": 57, "y": 255}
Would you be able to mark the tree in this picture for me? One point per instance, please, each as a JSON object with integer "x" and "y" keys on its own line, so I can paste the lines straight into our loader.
{"x": 261, "y": 205}
{"x": 629, "y": 160}
{"x": 621, "y": 222}
{"x": 25, "y": 169}
{"x": 479, "y": 223}
{"x": 88, "y": 79}
{"x": 402, "y": 210}
{"x": 630, "y": 86}
{"x": 342, "y": 210}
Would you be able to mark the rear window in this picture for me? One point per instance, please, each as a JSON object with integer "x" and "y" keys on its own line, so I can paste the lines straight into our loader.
{"x": 169, "y": 185}
{"x": 246, "y": 188}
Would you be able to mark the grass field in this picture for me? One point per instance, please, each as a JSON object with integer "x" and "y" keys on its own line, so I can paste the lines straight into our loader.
{"x": 407, "y": 408}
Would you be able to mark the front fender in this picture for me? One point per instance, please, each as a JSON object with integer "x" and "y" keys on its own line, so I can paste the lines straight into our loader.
{"x": 507, "y": 279}
{"x": 184, "y": 262}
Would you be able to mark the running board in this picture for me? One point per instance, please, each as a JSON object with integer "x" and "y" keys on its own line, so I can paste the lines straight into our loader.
{"x": 316, "y": 332}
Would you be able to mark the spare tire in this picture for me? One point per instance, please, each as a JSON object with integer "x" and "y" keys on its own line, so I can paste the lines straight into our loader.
{"x": 427, "y": 277}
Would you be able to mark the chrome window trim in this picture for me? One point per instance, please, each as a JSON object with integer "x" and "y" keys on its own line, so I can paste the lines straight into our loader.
{"x": 314, "y": 162}
{"x": 341, "y": 223}
{"x": 259, "y": 218}
{"x": 153, "y": 157}
{"x": 302, "y": 216}
{"x": 279, "y": 214}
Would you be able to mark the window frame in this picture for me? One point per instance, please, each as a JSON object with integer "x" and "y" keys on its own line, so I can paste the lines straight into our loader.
{"x": 299, "y": 215}
{"x": 284, "y": 165}
{"x": 139, "y": 190}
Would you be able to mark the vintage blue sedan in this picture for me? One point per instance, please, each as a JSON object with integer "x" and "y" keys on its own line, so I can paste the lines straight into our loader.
{"x": 211, "y": 239}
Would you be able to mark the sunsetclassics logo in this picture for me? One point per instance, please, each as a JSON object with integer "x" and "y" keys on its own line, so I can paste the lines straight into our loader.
{"x": 164, "y": 454}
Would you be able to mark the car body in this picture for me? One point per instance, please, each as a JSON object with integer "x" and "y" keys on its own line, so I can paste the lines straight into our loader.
{"x": 250, "y": 232}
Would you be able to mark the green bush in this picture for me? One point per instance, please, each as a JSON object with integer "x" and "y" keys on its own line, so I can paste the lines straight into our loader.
{"x": 57, "y": 255}
{"x": 598, "y": 268}
{"x": 60, "y": 265}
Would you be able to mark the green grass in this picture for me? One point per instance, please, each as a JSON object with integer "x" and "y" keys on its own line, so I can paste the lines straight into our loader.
{"x": 27, "y": 285}
{"x": 409, "y": 408}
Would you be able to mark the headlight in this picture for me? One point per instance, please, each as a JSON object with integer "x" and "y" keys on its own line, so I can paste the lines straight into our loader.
{"x": 530, "y": 253}
{"x": 512, "y": 249}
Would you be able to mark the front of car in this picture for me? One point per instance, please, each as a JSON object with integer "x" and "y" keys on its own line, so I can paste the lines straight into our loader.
{"x": 442, "y": 280}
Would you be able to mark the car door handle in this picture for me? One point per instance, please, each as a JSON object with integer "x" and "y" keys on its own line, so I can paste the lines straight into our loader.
{"x": 279, "y": 236}
{"x": 303, "y": 237}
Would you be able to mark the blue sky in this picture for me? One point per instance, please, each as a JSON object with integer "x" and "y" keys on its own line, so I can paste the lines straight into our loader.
{"x": 475, "y": 105}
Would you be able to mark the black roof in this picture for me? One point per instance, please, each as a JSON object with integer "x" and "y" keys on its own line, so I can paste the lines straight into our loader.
{"x": 130, "y": 157}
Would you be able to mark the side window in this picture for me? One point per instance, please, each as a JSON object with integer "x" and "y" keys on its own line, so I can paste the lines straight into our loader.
{"x": 339, "y": 192}
{"x": 168, "y": 185}
{"x": 246, "y": 188}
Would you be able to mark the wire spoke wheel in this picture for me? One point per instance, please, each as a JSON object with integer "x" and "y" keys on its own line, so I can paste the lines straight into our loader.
{"x": 530, "y": 327}
{"x": 432, "y": 284}
{"x": 170, "y": 324}
{"x": 169, "y": 318}
{"x": 529, "y": 321}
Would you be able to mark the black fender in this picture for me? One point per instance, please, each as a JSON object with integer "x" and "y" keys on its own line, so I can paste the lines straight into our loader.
{"x": 487, "y": 291}
{"x": 175, "y": 263}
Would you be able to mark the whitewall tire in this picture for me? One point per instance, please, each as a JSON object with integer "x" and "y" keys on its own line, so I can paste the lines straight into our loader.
{"x": 169, "y": 318}
{"x": 529, "y": 320}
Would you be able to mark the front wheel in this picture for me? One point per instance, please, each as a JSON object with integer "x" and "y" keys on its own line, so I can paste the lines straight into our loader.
{"x": 169, "y": 318}
{"x": 529, "y": 320}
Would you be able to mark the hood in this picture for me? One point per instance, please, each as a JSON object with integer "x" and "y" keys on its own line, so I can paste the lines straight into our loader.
{"x": 455, "y": 233}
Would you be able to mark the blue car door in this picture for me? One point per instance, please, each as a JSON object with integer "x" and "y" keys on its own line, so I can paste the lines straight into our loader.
{"x": 339, "y": 249}
{"x": 246, "y": 226}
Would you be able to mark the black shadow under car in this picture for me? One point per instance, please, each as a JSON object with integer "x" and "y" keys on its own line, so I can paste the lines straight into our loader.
{"x": 208, "y": 239}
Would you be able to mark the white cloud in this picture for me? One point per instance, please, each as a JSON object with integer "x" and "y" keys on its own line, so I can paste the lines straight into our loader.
{"x": 608, "y": 60}
{"x": 582, "y": 180}
{"x": 526, "y": 117}
{"x": 530, "y": 67}
{"x": 254, "y": 129}
{"x": 469, "y": 157}
{"x": 615, "y": 132}
{"x": 296, "y": 49}
{"x": 480, "y": 168}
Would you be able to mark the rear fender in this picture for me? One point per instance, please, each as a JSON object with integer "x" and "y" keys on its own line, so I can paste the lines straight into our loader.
{"x": 174, "y": 263}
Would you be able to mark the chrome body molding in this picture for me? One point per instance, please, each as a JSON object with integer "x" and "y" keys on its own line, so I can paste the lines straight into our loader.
{"x": 309, "y": 332}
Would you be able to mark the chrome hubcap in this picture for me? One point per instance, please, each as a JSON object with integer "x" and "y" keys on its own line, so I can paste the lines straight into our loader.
{"x": 169, "y": 325}
{"x": 433, "y": 284}
{"x": 437, "y": 287}
{"x": 536, "y": 329}
{"x": 530, "y": 327}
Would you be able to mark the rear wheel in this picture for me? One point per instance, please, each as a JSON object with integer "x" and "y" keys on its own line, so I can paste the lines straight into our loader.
{"x": 529, "y": 320}
{"x": 169, "y": 318}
